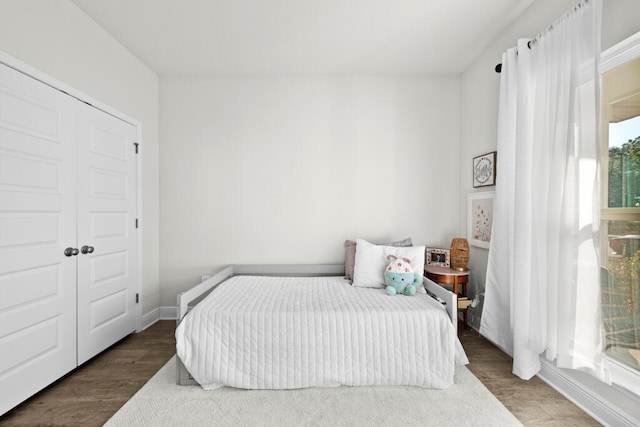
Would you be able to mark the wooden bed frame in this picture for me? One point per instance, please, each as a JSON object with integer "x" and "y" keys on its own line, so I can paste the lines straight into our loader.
{"x": 185, "y": 299}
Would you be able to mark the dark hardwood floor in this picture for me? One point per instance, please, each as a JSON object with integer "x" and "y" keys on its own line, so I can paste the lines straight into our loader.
{"x": 533, "y": 402}
{"x": 91, "y": 394}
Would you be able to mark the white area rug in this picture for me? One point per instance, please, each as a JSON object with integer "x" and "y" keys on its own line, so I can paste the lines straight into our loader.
{"x": 163, "y": 403}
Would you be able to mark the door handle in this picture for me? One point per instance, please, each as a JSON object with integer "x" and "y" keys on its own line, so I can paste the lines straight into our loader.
{"x": 71, "y": 251}
{"x": 87, "y": 249}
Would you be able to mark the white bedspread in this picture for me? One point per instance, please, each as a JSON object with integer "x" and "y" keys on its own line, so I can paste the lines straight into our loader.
{"x": 285, "y": 333}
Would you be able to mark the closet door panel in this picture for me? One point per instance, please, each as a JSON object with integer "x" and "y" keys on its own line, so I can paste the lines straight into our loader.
{"x": 107, "y": 206}
{"x": 37, "y": 222}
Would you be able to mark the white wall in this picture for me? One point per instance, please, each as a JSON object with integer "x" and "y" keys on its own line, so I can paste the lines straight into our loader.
{"x": 284, "y": 169}
{"x": 57, "y": 38}
{"x": 479, "y": 112}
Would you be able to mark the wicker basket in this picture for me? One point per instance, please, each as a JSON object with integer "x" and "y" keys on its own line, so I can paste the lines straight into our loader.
{"x": 459, "y": 254}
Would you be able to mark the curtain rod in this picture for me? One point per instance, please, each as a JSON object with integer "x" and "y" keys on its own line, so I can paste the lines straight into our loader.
{"x": 499, "y": 66}
{"x": 532, "y": 42}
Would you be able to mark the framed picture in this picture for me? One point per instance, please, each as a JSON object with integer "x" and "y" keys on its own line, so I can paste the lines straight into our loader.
{"x": 484, "y": 170}
{"x": 439, "y": 257}
{"x": 480, "y": 218}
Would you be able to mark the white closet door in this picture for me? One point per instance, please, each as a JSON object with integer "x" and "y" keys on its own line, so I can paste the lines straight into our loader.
{"x": 106, "y": 225}
{"x": 37, "y": 222}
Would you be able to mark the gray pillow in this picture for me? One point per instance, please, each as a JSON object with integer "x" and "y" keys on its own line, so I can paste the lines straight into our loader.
{"x": 350, "y": 255}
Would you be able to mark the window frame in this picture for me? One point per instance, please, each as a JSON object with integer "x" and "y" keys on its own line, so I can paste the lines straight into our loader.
{"x": 623, "y": 52}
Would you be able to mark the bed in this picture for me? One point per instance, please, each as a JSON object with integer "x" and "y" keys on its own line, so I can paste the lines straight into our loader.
{"x": 289, "y": 327}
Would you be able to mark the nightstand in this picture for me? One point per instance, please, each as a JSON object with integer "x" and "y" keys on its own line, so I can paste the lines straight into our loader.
{"x": 457, "y": 279}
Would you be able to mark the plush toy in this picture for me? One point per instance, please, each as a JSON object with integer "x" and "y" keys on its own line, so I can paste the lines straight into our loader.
{"x": 400, "y": 278}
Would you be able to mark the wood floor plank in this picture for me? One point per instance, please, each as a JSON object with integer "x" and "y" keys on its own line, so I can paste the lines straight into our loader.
{"x": 533, "y": 402}
{"x": 91, "y": 394}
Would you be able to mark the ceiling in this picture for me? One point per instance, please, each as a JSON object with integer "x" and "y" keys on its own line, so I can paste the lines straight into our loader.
{"x": 625, "y": 109}
{"x": 230, "y": 37}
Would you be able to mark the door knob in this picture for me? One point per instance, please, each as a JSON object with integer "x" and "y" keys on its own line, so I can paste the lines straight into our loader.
{"x": 87, "y": 249}
{"x": 71, "y": 251}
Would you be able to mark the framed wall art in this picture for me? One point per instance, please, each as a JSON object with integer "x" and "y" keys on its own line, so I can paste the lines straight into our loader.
{"x": 439, "y": 257}
{"x": 480, "y": 218}
{"x": 484, "y": 170}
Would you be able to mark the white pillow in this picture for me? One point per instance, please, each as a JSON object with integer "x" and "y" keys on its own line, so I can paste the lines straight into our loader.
{"x": 371, "y": 260}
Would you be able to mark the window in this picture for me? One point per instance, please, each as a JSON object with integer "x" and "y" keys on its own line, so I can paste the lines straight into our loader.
{"x": 620, "y": 213}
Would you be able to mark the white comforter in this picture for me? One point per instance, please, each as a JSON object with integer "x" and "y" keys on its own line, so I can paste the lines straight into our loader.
{"x": 286, "y": 333}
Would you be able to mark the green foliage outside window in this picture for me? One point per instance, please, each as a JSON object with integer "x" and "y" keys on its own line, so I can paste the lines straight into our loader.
{"x": 624, "y": 175}
{"x": 621, "y": 310}
{"x": 626, "y": 270}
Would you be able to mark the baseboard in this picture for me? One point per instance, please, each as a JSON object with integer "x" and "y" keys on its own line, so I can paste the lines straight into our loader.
{"x": 604, "y": 407}
{"x": 602, "y": 402}
{"x": 150, "y": 318}
{"x": 168, "y": 313}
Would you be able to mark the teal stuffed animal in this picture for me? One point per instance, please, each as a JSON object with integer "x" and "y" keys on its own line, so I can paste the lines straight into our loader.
{"x": 400, "y": 278}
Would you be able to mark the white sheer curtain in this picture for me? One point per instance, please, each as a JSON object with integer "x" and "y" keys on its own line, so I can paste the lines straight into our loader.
{"x": 542, "y": 288}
